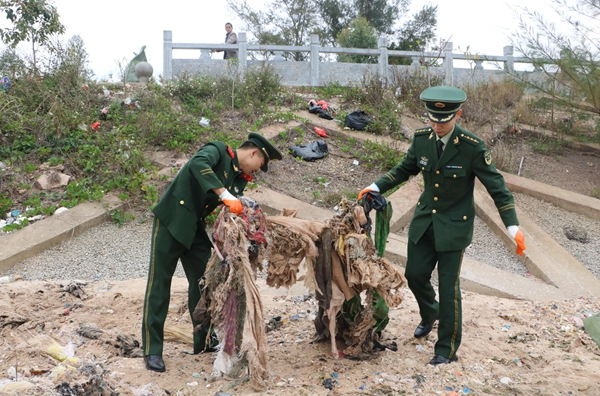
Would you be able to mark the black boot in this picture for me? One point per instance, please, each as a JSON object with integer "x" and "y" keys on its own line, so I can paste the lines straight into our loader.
{"x": 155, "y": 363}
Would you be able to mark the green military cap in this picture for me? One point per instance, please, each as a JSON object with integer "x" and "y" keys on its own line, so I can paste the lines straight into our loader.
{"x": 269, "y": 152}
{"x": 443, "y": 102}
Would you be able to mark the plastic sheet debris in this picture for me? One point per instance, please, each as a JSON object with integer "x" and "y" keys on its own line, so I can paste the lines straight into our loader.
{"x": 311, "y": 151}
{"x": 357, "y": 120}
{"x": 592, "y": 327}
{"x": 320, "y": 132}
{"x": 60, "y": 210}
{"x": 104, "y": 114}
{"x": 320, "y": 108}
{"x": 5, "y": 83}
{"x": 9, "y": 387}
{"x": 205, "y": 122}
{"x": 9, "y": 279}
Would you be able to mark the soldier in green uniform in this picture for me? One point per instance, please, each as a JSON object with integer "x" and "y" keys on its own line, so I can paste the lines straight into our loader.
{"x": 215, "y": 174}
{"x": 449, "y": 158}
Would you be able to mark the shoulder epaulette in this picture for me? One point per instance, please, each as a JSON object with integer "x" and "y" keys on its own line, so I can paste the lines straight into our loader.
{"x": 423, "y": 130}
{"x": 469, "y": 139}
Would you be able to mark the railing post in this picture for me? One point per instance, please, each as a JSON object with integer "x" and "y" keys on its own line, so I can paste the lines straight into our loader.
{"x": 416, "y": 64}
{"x": 167, "y": 54}
{"x": 449, "y": 63}
{"x": 205, "y": 55}
{"x": 242, "y": 53}
{"x": 383, "y": 60}
{"x": 314, "y": 60}
{"x": 510, "y": 59}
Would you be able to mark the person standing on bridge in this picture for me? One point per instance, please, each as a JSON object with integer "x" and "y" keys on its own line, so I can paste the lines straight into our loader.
{"x": 230, "y": 38}
{"x": 215, "y": 174}
{"x": 449, "y": 157}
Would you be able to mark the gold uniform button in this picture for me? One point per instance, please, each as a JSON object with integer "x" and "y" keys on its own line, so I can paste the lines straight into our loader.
{"x": 206, "y": 207}
{"x": 422, "y": 168}
{"x": 435, "y": 198}
{"x": 181, "y": 202}
{"x": 419, "y": 203}
{"x": 437, "y": 172}
{"x": 464, "y": 217}
{"x": 437, "y": 185}
{"x": 454, "y": 176}
{"x": 434, "y": 211}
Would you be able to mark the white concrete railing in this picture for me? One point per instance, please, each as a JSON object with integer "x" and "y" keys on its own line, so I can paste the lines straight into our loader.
{"x": 322, "y": 73}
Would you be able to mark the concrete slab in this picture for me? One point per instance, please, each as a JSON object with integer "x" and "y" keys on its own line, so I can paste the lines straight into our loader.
{"x": 569, "y": 141}
{"x": 544, "y": 257}
{"x": 573, "y": 202}
{"x": 52, "y": 231}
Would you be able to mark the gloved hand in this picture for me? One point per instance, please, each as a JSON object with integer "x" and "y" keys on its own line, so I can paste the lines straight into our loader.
{"x": 234, "y": 204}
{"x": 516, "y": 234}
{"x": 372, "y": 187}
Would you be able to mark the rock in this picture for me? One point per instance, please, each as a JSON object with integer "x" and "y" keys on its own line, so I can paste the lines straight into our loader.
{"x": 576, "y": 234}
{"x": 51, "y": 180}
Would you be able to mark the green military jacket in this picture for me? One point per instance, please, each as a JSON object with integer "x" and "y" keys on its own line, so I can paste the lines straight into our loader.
{"x": 189, "y": 198}
{"x": 449, "y": 183}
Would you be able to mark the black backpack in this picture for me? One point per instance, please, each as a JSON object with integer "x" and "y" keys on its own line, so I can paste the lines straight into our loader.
{"x": 357, "y": 120}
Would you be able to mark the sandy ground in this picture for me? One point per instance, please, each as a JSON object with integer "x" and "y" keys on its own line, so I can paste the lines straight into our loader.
{"x": 510, "y": 347}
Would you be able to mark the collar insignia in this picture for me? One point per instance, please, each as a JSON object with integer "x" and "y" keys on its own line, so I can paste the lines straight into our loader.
{"x": 431, "y": 136}
{"x": 456, "y": 140}
{"x": 225, "y": 174}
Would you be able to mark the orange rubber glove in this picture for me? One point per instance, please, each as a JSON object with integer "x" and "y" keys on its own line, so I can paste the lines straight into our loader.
{"x": 372, "y": 187}
{"x": 234, "y": 204}
{"x": 519, "y": 238}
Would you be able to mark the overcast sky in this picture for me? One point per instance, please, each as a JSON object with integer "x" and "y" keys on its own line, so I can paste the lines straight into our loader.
{"x": 114, "y": 30}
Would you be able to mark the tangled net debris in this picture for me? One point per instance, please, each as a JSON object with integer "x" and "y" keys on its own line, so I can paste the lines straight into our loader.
{"x": 354, "y": 285}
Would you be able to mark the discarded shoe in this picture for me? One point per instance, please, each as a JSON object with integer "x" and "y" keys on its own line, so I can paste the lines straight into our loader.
{"x": 439, "y": 359}
{"x": 155, "y": 363}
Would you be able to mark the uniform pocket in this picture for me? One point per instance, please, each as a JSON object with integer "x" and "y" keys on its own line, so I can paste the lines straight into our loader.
{"x": 184, "y": 199}
{"x": 463, "y": 215}
{"x": 455, "y": 173}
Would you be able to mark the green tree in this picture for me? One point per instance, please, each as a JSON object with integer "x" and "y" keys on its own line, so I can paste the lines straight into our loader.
{"x": 283, "y": 23}
{"x": 335, "y": 16}
{"x": 416, "y": 34}
{"x": 34, "y": 21}
{"x": 358, "y": 35}
{"x": 382, "y": 15}
{"x": 566, "y": 53}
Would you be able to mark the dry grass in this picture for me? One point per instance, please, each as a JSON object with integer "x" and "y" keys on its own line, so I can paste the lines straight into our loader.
{"x": 487, "y": 99}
